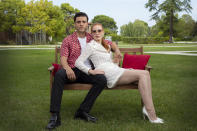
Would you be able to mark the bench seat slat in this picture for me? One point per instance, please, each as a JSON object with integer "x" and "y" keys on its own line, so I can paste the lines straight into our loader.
{"x": 79, "y": 86}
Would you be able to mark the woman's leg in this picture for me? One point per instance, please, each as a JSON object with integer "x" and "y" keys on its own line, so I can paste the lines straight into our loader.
{"x": 144, "y": 87}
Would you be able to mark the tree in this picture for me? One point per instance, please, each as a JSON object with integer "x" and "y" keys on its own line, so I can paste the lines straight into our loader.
{"x": 138, "y": 28}
{"x": 41, "y": 16}
{"x": 168, "y": 7}
{"x": 194, "y": 31}
{"x": 8, "y": 13}
{"x": 162, "y": 24}
{"x": 185, "y": 27}
{"x": 108, "y": 23}
{"x": 68, "y": 12}
{"x": 155, "y": 31}
{"x": 127, "y": 30}
{"x": 141, "y": 28}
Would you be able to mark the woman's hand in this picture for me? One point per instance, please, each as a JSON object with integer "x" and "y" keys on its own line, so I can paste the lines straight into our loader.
{"x": 96, "y": 71}
{"x": 118, "y": 56}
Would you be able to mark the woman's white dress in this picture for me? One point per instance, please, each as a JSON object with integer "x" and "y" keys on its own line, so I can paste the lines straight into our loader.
{"x": 102, "y": 60}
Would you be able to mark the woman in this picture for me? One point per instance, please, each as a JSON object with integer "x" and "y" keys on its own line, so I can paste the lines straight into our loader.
{"x": 99, "y": 53}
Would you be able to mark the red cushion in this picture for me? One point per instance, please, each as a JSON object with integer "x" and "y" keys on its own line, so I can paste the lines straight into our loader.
{"x": 56, "y": 68}
{"x": 135, "y": 61}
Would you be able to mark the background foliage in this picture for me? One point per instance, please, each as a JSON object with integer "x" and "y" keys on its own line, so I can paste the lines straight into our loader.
{"x": 41, "y": 16}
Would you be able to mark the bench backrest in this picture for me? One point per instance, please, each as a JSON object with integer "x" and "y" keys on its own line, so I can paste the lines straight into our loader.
{"x": 134, "y": 51}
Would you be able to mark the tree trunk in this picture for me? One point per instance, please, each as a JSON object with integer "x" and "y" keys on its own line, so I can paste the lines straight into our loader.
{"x": 21, "y": 40}
{"x": 16, "y": 38}
{"x": 171, "y": 26}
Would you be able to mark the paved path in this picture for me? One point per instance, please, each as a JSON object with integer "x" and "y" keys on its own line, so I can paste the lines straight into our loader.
{"x": 160, "y": 46}
{"x": 27, "y": 46}
{"x": 51, "y": 47}
{"x": 187, "y": 53}
{"x": 27, "y": 49}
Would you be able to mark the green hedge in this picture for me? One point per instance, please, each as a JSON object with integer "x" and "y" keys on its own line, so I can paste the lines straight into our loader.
{"x": 140, "y": 40}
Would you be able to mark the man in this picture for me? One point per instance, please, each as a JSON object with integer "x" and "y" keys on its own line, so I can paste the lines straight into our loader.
{"x": 70, "y": 50}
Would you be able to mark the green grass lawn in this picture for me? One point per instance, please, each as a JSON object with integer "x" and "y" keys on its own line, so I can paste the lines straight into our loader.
{"x": 24, "y": 95}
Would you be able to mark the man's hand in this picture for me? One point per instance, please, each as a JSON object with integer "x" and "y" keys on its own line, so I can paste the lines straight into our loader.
{"x": 96, "y": 71}
{"x": 70, "y": 74}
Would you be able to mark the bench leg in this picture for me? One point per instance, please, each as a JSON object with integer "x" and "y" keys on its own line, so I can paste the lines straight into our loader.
{"x": 51, "y": 82}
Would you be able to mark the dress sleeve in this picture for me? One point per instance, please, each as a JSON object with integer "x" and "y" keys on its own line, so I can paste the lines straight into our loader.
{"x": 80, "y": 62}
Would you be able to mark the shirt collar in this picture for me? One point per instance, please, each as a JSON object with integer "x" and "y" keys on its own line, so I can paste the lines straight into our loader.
{"x": 88, "y": 36}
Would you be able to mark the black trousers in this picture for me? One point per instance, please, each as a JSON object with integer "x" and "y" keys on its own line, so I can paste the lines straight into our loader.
{"x": 99, "y": 82}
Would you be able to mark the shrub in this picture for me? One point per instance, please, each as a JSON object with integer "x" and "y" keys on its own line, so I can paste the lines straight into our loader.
{"x": 144, "y": 40}
{"x": 139, "y": 40}
{"x": 194, "y": 38}
{"x": 11, "y": 42}
{"x": 116, "y": 37}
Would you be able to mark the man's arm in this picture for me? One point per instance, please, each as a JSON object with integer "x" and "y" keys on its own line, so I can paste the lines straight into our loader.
{"x": 70, "y": 73}
{"x": 64, "y": 53}
{"x": 117, "y": 53}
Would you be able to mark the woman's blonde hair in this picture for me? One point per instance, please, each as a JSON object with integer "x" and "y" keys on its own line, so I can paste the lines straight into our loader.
{"x": 103, "y": 42}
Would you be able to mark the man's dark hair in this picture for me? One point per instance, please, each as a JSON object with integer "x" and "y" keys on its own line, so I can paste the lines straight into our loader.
{"x": 79, "y": 14}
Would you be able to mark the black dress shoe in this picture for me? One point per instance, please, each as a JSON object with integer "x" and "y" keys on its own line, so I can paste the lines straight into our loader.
{"x": 85, "y": 116}
{"x": 54, "y": 122}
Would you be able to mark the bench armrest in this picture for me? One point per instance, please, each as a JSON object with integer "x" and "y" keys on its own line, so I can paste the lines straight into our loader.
{"x": 51, "y": 68}
{"x": 148, "y": 68}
